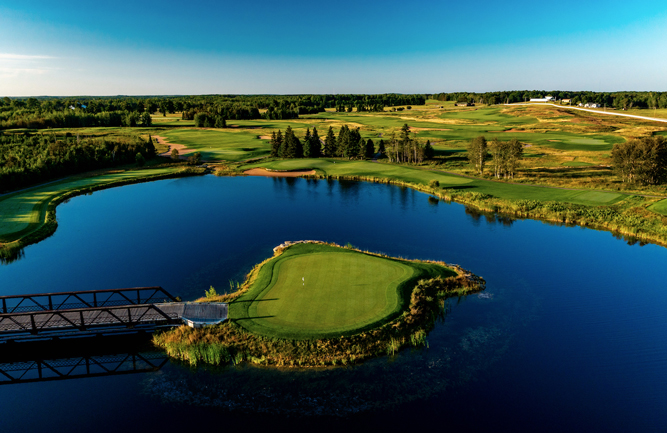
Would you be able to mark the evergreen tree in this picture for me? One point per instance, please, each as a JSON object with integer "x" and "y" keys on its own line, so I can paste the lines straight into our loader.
{"x": 381, "y": 148}
{"x": 330, "y": 143}
{"x": 362, "y": 149}
{"x": 343, "y": 140}
{"x": 429, "y": 152}
{"x": 276, "y": 142}
{"x": 150, "y": 148}
{"x": 306, "y": 144}
{"x": 353, "y": 143}
{"x": 292, "y": 145}
{"x": 370, "y": 149}
{"x": 315, "y": 145}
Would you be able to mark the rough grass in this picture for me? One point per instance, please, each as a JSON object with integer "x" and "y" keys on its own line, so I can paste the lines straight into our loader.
{"x": 316, "y": 291}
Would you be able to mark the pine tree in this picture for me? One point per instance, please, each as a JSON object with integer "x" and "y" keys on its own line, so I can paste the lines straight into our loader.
{"x": 292, "y": 145}
{"x": 381, "y": 148}
{"x": 429, "y": 152}
{"x": 370, "y": 148}
{"x": 343, "y": 140}
{"x": 150, "y": 147}
{"x": 315, "y": 145}
{"x": 306, "y": 144}
{"x": 276, "y": 142}
{"x": 353, "y": 144}
{"x": 362, "y": 149}
{"x": 330, "y": 144}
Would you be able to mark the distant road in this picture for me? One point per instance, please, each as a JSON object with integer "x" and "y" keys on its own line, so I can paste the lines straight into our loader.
{"x": 654, "y": 119}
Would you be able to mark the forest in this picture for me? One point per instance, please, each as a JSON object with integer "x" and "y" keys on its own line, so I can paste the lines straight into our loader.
{"x": 70, "y": 112}
{"x": 27, "y": 160}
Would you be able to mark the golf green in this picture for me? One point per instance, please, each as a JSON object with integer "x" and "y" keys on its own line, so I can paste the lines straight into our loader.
{"x": 314, "y": 290}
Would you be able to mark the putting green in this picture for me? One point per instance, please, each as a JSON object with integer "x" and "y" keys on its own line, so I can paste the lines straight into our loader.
{"x": 319, "y": 291}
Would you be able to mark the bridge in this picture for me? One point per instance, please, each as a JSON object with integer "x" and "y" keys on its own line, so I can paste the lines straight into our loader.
{"x": 99, "y": 312}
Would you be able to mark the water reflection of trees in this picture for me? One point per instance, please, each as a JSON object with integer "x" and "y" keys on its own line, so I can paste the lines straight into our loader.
{"x": 476, "y": 216}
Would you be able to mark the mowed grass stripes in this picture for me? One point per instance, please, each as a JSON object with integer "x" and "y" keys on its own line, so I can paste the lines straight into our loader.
{"x": 320, "y": 291}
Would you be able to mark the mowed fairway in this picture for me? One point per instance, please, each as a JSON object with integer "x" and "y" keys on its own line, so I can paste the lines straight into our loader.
{"x": 228, "y": 144}
{"x": 318, "y": 291}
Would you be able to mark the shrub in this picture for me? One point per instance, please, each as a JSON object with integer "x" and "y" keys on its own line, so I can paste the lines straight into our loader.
{"x": 434, "y": 183}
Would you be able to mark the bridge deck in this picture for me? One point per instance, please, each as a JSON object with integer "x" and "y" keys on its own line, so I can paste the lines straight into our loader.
{"x": 53, "y": 322}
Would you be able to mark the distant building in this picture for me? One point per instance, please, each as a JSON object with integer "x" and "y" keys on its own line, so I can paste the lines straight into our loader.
{"x": 566, "y": 101}
{"x": 595, "y": 106}
{"x": 539, "y": 99}
{"x": 464, "y": 104}
{"x": 549, "y": 98}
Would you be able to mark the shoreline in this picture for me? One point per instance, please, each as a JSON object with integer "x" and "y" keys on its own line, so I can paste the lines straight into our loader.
{"x": 423, "y": 302}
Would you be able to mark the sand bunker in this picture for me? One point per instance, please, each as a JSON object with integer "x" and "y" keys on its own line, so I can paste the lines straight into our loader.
{"x": 182, "y": 149}
{"x": 265, "y": 172}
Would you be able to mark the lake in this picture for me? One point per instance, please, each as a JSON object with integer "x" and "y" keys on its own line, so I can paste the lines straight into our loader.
{"x": 569, "y": 335}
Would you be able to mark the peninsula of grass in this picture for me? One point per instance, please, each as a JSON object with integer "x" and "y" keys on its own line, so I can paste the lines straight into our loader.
{"x": 29, "y": 215}
{"x": 321, "y": 304}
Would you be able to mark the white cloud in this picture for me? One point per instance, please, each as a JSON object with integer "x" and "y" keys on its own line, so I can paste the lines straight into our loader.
{"x": 11, "y": 56}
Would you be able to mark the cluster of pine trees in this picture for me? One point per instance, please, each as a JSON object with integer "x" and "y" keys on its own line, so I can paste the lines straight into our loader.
{"x": 641, "y": 161}
{"x": 27, "y": 160}
{"x": 506, "y": 156}
{"x": 349, "y": 144}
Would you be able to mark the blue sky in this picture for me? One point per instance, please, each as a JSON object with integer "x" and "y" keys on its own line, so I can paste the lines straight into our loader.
{"x": 200, "y": 47}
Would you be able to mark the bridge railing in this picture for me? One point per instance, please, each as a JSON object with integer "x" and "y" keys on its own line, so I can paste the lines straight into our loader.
{"x": 36, "y": 322}
{"x": 84, "y": 299}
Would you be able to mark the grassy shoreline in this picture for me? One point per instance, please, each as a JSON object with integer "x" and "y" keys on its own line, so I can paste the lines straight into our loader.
{"x": 423, "y": 302}
{"x": 636, "y": 217}
{"x": 37, "y": 205}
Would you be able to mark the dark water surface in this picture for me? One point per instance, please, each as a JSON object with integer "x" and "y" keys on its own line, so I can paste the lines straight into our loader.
{"x": 570, "y": 334}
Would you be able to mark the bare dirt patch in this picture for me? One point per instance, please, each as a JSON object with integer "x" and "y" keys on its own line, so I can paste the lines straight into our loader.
{"x": 267, "y": 173}
{"x": 265, "y": 137}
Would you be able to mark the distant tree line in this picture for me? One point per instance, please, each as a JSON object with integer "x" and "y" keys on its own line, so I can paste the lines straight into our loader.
{"x": 68, "y": 112}
{"x": 506, "y": 156}
{"x": 641, "y": 161}
{"x": 27, "y": 160}
{"x": 619, "y": 100}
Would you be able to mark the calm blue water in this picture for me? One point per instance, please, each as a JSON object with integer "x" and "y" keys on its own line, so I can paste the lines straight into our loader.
{"x": 572, "y": 335}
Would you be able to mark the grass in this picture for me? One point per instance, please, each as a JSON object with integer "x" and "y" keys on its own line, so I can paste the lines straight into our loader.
{"x": 296, "y": 341}
{"x": 24, "y": 211}
{"x": 659, "y": 207}
{"x": 314, "y": 291}
{"x": 420, "y": 176}
{"x": 222, "y": 144}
